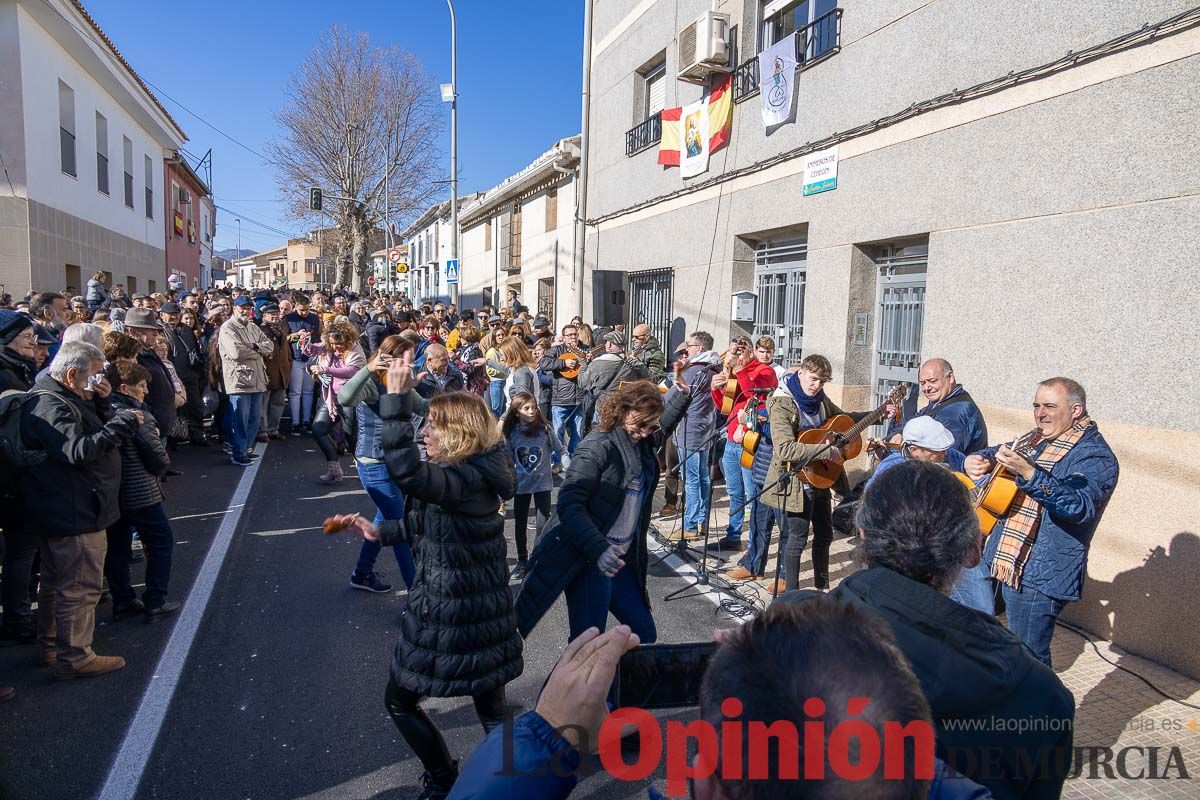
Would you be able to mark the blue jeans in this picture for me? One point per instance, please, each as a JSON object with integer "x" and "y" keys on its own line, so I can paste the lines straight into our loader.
{"x": 496, "y": 397}
{"x": 1031, "y": 617}
{"x": 569, "y": 421}
{"x": 244, "y": 408}
{"x": 739, "y": 484}
{"x": 697, "y": 487}
{"x": 154, "y": 531}
{"x": 763, "y": 518}
{"x": 975, "y": 589}
{"x": 389, "y": 504}
{"x": 592, "y": 595}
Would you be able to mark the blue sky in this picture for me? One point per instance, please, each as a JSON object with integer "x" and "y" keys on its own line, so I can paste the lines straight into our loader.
{"x": 519, "y": 65}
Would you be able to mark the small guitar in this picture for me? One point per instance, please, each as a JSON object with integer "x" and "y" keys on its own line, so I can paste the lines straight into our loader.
{"x": 730, "y": 394}
{"x": 752, "y": 436}
{"x": 573, "y": 357}
{"x": 844, "y": 436}
{"x": 992, "y": 497}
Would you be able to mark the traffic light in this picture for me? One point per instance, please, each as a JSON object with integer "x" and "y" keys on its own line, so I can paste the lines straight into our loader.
{"x": 314, "y": 199}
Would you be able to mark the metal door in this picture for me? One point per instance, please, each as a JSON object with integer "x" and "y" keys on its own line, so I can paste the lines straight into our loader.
{"x": 780, "y": 275}
{"x": 899, "y": 319}
{"x": 650, "y": 302}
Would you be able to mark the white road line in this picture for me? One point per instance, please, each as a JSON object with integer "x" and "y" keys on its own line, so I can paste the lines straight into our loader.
{"x": 285, "y": 531}
{"x": 206, "y": 514}
{"x": 130, "y": 763}
{"x": 686, "y": 570}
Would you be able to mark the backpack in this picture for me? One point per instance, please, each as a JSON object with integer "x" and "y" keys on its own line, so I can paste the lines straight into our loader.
{"x": 14, "y": 456}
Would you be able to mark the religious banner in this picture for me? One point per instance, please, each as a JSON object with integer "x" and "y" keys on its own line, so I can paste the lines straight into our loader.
{"x": 690, "y": 134}
{"x": 776, "y": 81}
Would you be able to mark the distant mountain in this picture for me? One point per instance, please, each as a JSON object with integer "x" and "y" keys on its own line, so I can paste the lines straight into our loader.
{"x": 233, "y": 254}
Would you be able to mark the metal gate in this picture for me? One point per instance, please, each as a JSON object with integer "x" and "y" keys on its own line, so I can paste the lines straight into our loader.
{"x": 780, "y": 274}
{"x": 899, "y": 319}
{"x": 650, "y": 302}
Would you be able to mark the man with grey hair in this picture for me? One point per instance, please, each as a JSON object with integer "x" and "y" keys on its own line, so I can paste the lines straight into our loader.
{"x": 1038, "y": 551}
{"x": 948, "y": 402}
{"x": 70, "y": 498}
{"x": 917, "y": 533}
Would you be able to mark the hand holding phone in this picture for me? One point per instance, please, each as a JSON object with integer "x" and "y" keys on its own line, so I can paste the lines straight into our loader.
{"x": 663, "y": 675}
{"x": 574, "y": 698}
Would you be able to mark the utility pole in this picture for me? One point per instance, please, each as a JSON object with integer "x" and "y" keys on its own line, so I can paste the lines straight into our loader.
{"x": 582, "y": 177}
{"x": 238, "y": 220}
{"x": 453, "y": 148}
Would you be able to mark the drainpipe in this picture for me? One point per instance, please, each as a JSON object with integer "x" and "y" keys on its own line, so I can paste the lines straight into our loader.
{"x": 578, "y": 265}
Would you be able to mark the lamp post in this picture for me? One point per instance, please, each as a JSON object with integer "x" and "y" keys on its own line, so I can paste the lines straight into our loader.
{"x": 238, "y": 220}
{"x": 453, "y": 99}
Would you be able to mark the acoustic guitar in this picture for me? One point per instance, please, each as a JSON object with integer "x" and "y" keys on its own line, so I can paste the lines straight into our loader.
{"x": 992, "y": 497}
{"x": 730, "y": 394}
{"x": 573, "y": 357}
{"x": 844, "y": 437}
{"x": 752, "y": 437}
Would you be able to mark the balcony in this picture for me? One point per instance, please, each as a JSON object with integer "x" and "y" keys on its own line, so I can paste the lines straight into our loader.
{"x": 814, "y": 43}
{"x": 643, "y": 135}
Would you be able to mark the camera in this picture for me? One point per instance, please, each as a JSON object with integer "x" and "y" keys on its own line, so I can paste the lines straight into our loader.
{"x": 662, "y": 675}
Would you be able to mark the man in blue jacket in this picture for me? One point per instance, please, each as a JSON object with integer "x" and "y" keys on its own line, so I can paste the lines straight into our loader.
{"x": 1038, "y": 552}
{"x": 948, "y": 402}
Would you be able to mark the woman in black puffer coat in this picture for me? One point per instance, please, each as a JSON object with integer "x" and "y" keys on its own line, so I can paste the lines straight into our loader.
{"x": 458, "y": 635}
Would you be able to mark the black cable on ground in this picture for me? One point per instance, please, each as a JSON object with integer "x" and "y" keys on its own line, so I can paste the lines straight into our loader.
{"x": 1087, "y": 638}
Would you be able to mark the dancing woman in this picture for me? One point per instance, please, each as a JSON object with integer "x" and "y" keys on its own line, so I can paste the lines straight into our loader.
{"x": 458, "y": 634}
{"x": 594, "y": 547}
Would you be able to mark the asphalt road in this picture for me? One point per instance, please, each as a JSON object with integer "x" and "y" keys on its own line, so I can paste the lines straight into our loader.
{"x": 281, "y": 692}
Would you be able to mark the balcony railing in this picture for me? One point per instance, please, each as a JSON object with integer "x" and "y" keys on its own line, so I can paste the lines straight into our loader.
{"x": 816, "y": 41}
{"x": 643, "y": 135}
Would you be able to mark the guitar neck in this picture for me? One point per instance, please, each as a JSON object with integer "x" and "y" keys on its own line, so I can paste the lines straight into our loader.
{"x": 866, "y": 422}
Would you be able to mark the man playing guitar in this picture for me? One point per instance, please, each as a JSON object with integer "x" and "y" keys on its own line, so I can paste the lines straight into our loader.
{"x": 742, "y": 375}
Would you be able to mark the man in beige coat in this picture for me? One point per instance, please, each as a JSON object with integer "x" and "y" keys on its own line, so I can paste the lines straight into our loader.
{"x": 244, "y": 348}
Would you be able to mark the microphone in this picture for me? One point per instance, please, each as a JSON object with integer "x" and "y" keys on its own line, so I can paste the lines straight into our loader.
{"x": 763, "y": 390}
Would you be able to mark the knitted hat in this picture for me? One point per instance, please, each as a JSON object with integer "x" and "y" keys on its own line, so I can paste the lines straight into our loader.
{"x": 12, "y": 323}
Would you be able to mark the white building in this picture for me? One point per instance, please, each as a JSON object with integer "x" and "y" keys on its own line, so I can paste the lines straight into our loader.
{"x": 521, "y": 235}
{"x": 428, "y": 242}
{"x": 83, "y": 141}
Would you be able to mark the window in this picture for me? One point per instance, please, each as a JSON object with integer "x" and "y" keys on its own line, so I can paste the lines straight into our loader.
{"x": 66, "y": 129}
{"x": 149, "y": 170}
{"x": 514, "y": 234}
{"x": 782, "y": 18}
{"x": 545, "y": 299}
{"x": 310, "y": 266}
{"x": 295, "y": 267}
{"x": 127, "y": 160}
{"x": 655, "y": 90}
{"x": 175, "y": 208}
{"x": 151, "y": 287}
{"x": 101, "y": 153}
{"x": 487, "y": 235}
{"x": 552, "y": 209}
{"x": 131, "y": 285}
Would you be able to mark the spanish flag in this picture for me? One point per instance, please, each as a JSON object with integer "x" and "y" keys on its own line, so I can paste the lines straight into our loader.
{"x": 690, "y": 133}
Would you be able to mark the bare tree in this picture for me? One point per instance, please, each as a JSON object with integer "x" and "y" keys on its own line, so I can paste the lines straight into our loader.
{"x": 348, "y": 100}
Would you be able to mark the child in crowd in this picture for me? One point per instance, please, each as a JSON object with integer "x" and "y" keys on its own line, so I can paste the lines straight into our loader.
{"x": 531, "y": 443}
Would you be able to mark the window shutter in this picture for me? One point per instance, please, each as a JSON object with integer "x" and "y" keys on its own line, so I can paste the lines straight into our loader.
{"x": 656, "y": 92}
{"x": 551, "y": 209}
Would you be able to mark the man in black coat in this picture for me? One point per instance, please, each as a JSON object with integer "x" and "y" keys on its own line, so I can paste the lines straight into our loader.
{"x": 918, "y": 532}
{"x": 185, "y": 356}
{"x": 142, "y": 324}
{"x": 70, "y": 419}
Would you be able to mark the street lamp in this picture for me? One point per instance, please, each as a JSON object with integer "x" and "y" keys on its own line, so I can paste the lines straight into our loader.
{"x": 451, "y": 97}
{"x": 238, "y": 220}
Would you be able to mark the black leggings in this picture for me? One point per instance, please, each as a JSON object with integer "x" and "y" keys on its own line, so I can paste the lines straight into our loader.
{"x": 423, "y": 736}
{"x": 818, "y": 517}
{"x": 322, "y": 428}
{"x": 541, "y": 501}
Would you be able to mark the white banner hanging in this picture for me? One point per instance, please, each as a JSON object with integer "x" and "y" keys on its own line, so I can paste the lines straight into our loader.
{"x": 776, "y": 81}
{"x": 693, "y": 129}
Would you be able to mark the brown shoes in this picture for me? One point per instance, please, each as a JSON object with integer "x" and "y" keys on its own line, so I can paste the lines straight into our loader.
{"x": 739, "y": 574}
{"x": 687, "y": 536}
{"x": 669, "y": 510}
{"x": 100, "y": 665}
{"x": 775, "y": 587}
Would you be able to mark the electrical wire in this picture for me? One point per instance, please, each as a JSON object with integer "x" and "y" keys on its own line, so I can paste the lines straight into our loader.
{"x": 122, "y": 67}
{"x": 251, "y": 220}
{"x": 1147, "y": 33}
{"x": 1108, "y": 660}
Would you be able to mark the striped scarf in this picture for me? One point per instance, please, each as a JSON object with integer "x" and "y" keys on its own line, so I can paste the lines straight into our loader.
{"x": 1020, "y": 529}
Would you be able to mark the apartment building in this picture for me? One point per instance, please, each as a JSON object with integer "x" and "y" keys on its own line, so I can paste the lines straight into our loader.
{"x": 83, "y": 142}
{"x": 428, "y": 239}
{"x": 521, "y": 235}
{"x": 1013, "y": 187}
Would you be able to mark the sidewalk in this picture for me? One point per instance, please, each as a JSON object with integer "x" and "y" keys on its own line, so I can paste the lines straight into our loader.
{"x": 1125, "y": 732}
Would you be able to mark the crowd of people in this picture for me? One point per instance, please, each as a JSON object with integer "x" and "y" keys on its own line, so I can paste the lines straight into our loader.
{"x": 450, "y": 415}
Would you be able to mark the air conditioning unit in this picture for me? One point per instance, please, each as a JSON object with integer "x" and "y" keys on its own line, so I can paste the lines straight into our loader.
{"x": 185, "y": 198}
{"x": 704, "y": 47}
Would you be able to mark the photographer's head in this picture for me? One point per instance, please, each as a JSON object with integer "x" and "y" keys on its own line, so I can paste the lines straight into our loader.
{"x": 916, "y": 519}
{"x": 812, "y": 661}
